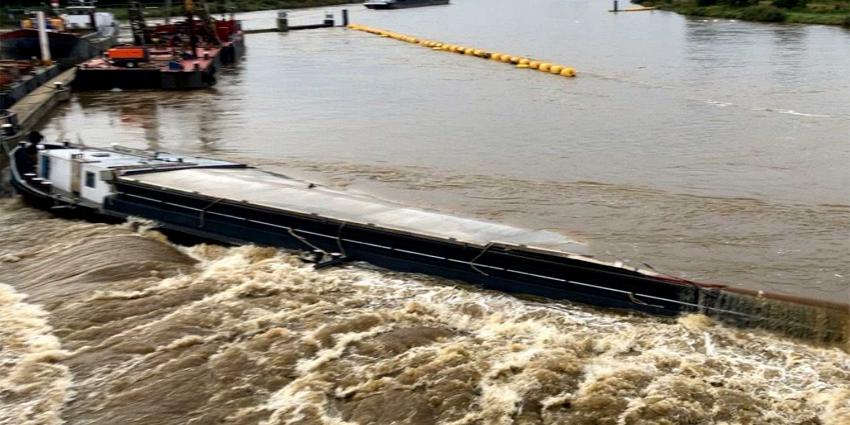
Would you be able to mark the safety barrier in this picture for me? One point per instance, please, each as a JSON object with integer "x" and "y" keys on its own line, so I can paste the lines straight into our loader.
{"x": 518, "y": 61}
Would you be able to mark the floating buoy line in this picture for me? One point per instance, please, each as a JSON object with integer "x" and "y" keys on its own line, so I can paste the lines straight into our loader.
{"x": 518, "y": 61}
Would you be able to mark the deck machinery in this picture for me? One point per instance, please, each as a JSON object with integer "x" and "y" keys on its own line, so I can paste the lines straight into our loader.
{"x": 180, "y": 55}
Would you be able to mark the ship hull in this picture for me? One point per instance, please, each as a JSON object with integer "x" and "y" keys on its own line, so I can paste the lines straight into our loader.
{"x": 406, "y": 4}
{"x": 24, "y": 44}
{"x": 66, "y": 48}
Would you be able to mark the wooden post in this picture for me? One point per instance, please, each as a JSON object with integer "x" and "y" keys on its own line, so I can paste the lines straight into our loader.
{"x": 282, "y": 21}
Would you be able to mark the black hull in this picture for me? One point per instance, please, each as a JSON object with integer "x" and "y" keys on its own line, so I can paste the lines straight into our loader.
{"x": 496, "y": 267}
{"x": 407, "y": 4}
{"x": 23, "y": 44}
{"x": 142, "y": 79}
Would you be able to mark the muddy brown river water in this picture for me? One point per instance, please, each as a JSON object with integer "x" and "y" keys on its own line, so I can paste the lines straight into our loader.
{"x": 713, "y": 150}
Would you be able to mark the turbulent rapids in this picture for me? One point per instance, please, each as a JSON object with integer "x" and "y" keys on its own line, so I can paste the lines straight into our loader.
{"x": 114, "y": 324}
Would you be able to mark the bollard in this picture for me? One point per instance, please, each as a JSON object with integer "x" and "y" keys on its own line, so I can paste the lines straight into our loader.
{"x": 345, "y": 17}
{"x": 283, "y": 21}
{"x": 329, "y": 19}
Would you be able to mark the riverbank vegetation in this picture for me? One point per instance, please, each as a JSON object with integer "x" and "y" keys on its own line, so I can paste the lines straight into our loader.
{"x": 827, "y": 12}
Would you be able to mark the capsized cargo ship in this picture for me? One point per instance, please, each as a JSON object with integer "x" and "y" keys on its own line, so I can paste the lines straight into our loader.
{"x": 402, "y": 4}
{"x": 236, "y": 204}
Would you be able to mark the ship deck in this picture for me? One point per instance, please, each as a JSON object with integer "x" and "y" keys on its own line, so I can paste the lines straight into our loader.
{"x": 273, "y": 191}
{"x": 159, "y": 60}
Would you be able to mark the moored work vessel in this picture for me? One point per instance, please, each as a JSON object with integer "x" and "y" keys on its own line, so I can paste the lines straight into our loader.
{"x": 182, "y": 55}
{"x": 237, "y": 204}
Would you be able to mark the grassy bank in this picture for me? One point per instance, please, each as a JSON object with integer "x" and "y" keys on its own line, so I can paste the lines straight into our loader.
{"x": 826, "y": 12}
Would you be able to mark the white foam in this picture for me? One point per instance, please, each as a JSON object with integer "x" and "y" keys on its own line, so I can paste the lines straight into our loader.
{"x": 29, "y": 353}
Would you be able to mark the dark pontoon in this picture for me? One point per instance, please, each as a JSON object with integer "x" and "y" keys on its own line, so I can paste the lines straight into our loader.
{"x": 402, "y": 4}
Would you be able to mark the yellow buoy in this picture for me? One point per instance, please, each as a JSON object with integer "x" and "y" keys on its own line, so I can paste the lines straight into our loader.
{"x": 520, "y": 62}
{"x": 568, "y": 72}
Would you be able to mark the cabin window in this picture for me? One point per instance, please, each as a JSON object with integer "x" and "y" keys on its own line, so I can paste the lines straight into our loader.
{"x": 45, "y": 166}
{"x": 90, "y": 180}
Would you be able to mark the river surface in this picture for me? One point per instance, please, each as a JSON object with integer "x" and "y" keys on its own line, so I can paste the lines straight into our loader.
{"x": 709, "y": 149}
{"x": 713, "y": 150}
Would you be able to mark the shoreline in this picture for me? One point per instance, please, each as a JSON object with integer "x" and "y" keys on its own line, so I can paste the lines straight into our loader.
{"x": 764, "y": 12}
